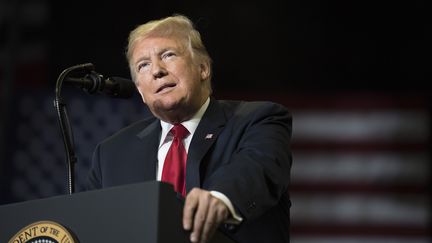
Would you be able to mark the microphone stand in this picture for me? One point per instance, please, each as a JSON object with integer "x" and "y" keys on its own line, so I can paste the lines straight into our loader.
{"x": 65, "y": 126}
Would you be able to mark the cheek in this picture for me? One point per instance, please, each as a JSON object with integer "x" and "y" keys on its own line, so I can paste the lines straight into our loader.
{"x": 142, "y": 92}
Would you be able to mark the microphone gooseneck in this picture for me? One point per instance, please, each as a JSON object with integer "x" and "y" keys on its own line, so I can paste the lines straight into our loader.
{"x": 84, "y": 76}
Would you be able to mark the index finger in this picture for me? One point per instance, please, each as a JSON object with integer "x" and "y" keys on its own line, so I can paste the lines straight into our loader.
{"x": 189, "y": 209}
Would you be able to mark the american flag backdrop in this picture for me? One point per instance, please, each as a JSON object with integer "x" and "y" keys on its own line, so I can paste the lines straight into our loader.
{"x": 361, "y": 169}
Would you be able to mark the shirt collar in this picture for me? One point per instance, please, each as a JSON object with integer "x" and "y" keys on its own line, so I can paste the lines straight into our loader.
{"x": 191, "y": 124}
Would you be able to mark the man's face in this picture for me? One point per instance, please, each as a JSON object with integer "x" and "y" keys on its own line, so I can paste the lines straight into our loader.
{"x": 168, "y": 79}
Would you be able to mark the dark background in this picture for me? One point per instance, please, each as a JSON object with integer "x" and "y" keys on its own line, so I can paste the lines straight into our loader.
{"x": 295, "y": 45}
{"x": 368, "y": 60}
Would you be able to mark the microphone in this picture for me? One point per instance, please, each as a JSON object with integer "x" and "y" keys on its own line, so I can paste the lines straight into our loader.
{"x": 94, "y": 82}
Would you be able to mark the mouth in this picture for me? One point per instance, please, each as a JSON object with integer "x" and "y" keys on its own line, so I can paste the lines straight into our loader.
{"x": 165, "y": 87}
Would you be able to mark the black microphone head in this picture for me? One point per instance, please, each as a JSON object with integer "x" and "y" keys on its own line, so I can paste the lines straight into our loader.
{"x": 119, "y": 87}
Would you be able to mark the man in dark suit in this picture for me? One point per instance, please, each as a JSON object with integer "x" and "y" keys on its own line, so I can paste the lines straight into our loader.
{"x": 238, "y": 156}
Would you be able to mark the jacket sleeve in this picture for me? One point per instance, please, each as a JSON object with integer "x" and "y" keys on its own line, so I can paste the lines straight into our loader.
{"x": 258, "y": 171}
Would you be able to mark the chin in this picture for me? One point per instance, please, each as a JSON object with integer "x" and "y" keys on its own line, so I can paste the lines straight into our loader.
{"x": 166, "y": 105}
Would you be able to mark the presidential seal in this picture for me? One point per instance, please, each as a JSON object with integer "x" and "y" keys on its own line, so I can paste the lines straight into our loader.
{"x": 43, "y": 232}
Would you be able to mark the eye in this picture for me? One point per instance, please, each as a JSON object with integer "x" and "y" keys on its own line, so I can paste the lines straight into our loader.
{"x": 168, "y": 54}
{"x": 141, "y": 66}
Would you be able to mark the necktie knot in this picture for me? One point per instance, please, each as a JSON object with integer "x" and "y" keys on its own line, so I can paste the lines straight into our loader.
{"x": 179, "y": 131}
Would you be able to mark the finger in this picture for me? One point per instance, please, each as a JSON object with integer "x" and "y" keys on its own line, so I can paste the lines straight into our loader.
{"x": 189, "y": 209}
{"x": 200, "y": 215}
{"x": 223, "y": 213}
{"x": 210, "y": 224}
{"x": 216, "y": 214}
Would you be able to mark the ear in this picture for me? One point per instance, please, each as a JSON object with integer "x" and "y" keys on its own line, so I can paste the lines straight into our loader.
{"x": 204, "y": 71}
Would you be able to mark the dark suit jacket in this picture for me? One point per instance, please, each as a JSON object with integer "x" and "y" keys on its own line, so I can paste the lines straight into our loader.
{"x": 247, "y": 158}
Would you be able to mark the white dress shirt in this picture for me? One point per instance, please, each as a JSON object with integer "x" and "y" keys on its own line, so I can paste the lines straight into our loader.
{"x": 165, "y": 143}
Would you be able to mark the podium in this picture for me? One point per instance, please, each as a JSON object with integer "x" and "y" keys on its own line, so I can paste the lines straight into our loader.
{"x": 147, "y": 212}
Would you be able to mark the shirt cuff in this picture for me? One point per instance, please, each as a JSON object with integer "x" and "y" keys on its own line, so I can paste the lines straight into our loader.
{"x": 235, "y": 217}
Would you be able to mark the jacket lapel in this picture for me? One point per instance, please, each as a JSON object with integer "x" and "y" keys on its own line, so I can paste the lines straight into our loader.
{"x": 150, "y": 142}
{"x": 204, "y": 137}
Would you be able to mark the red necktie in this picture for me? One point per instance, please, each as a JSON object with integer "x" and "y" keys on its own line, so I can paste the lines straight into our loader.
{"x": 174, "y": 169}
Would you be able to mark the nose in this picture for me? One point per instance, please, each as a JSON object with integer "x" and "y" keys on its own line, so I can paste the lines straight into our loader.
{"x": 158, "y": 69}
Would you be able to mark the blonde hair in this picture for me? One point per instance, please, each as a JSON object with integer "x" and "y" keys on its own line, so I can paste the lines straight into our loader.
{"x": 174, "y": 26}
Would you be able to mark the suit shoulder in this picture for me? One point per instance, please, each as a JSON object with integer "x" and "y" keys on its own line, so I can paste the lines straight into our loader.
{"x": 130, "y": 130}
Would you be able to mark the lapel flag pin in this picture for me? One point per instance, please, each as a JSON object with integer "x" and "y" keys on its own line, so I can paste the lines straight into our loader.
{"x": 209, "y": 136}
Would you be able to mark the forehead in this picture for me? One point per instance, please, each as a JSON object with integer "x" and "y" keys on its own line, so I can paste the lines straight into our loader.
{"x": 151, "y": 45}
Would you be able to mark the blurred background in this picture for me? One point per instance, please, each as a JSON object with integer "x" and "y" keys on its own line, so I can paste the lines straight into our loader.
{"x": 354, "y": 74}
